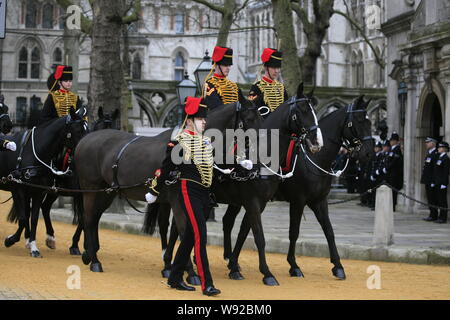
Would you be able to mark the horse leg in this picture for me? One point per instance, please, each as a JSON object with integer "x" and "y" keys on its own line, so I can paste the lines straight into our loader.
{"x": 233, "y": 264}
{"x": 35, "y": 207}
{"x": 227, "y": 225}
{"x": 12, "y": 239}
{"x": 320, "y": 209}
{"x": 46, "y": 207}
{"x": 295, "y": 217}
{"x": 94, "y": 206}
{"x": 163, "y": 224}
{"x": 78, "y": 212}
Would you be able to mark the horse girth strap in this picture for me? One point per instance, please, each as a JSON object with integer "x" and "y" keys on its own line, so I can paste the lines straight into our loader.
{"x": 26, "y": 136}
{"x": 115, "y": 167}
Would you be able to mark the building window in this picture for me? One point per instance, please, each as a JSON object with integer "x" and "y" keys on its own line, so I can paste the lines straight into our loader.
{"x": 23, "y": 63}
{"x": 136, "y": 71}
{"x": 21, "y": 111}
{"x": 179, "y": 23}
{"x": 156, "y": 19}
{"x": 360, "y": 71}
{"x": 57, "y": 57}
{"x": 179, "y": 67}
{"x": 31, "y": 14}
{"x": 61, "y": 18}
{"x": 173, "y": 118}
{"x": 35, "y": 63}
{"x": 47, "y": 16}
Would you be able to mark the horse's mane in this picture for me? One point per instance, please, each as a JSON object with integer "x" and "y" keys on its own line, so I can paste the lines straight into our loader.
{"x": 47, "y": 123}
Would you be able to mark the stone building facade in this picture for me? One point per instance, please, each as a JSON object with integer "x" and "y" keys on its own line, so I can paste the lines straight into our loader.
{"x": 172, "y": 38}
{"x": 418, "y": 87}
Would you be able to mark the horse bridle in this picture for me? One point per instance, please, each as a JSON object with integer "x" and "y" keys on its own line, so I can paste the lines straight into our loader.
{"x": 292, "y": 102}
{"x": 238, "y": 122}
{"x": 356, "y": 143}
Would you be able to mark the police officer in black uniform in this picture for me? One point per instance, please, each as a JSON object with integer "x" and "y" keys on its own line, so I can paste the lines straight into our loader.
{"x": 269, "y": 93}
{"x": 427, "y": 177}
{"x": 195, "y": 180}
{"x": 375, "y": 164}
{"x": 441, "y": 171}
{"x": 394, "y": 166}
{"x": 5, "y": 144}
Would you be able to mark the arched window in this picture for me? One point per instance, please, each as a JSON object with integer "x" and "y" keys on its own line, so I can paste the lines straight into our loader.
{"x": 35, "y": 63}
{"x": 23, "y": 63}
{"x": 136, "y": 71}
{"x": 174, "y": 117}
{"x": 57, "y": 57}
{"x": 31, "y": 14}
{"x": 179, "y": 66}
{"x": 47, "y": 16}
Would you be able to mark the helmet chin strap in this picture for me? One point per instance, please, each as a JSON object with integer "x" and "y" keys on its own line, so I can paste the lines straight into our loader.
{"x": 220, "y": 68}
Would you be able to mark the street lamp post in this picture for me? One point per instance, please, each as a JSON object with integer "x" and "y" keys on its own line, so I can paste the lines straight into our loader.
{"x": 202, "y": 71}
{"x": 185, "y": 88}
{"x": 402, "y": 95}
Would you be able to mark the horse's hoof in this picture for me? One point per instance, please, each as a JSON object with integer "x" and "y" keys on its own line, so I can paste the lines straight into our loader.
{"x": 36, "y": 254}
{"x": 27, "y": 244}
{"x": 50, "y": 243}
{"x": 339, "y": 273}
{"x": 165, "y": 273}
{"x": 9, "y": 241}
{"x": 236, "y": 276}
{"x": 270, "y": 281}
{"x": 296, "y": 272}
{"x": 96, "y": 267}
{"x": 74, "y": 251}
{"x": 194, "y": 280}
{"x": 85, "y": 258}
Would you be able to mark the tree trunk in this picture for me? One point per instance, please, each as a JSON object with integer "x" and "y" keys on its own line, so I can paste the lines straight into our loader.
{"x": 227, "y": 21}
{"x": 106, "y": 74}
{"x": 284, "y": 25}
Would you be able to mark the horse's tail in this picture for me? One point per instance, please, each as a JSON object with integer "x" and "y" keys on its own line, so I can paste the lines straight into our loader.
{"x": 77, "y": 204}
{"x": 151, "y": 217}
{"x": 13, "y": 215}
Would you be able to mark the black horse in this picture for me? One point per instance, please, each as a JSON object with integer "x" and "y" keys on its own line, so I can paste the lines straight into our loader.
{"x": 296, "y": 116}
{"x": 104, "y": 121}
{"x": 310, "y": 185}
{"x": 31, "y": 163}
{"x": 110, "y": 158}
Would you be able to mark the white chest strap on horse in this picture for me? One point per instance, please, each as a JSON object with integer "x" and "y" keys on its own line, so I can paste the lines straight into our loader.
{"x": 283, "y": 176}
{"x": 58, "y": 173}
{"x": 334, "y": 174}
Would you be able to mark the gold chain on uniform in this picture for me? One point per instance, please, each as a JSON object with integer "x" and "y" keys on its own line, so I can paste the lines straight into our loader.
{"x": 227, "y": 90}
{"x": 63, "y": 101}
{"x": 273, "y": 93}
{"x": 199, "y": 149}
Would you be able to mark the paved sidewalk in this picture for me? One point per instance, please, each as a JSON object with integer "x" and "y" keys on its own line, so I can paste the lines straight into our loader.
{"x": 415, "y": 241}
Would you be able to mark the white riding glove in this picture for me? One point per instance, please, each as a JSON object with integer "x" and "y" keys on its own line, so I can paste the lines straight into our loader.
{"x": 247, "y": 164}
{"x": 11, "y": 146}
{"x": 150, "y": 198}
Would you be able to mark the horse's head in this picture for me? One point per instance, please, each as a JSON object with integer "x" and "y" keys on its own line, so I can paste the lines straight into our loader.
{"x": 247, "y": 115}
{"x": 357, "y": 134}
{"x": 76, "y": 127}
{"x": 5, "y": 121}
{"x": 303, "y": 120}
{"x": 105, "y": 120}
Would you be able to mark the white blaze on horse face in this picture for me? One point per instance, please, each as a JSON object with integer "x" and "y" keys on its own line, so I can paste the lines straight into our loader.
{"x": 319, "y": 136}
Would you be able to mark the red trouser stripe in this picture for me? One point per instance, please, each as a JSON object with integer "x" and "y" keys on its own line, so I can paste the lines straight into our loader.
{"x": 191, "y": 215}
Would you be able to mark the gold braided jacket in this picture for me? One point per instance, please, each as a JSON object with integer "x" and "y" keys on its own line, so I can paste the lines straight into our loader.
{"x": 199, "y": 150}
{"x": 273, "y": 93}
{"x": 63, "y": 100}
{"x": 227, "y": 89}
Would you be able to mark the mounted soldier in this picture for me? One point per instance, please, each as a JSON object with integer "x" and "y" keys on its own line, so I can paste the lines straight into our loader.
{"x": 60, "y": 99}
{"x": 5, "y": 144}
{"x": 268, "y": 93}
{"x": 218, "y": 89}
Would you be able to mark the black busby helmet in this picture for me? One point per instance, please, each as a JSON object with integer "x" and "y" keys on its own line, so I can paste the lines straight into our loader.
{"x": 62, "y": 73}
{"x": 443, "y": 144}
{"x": 222, "y": 56}
{"x": 194, "y": 108}
{"x": 394, "y": 136}
{"x": 429, "y": 139}
{"x": 272, "y": 58}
